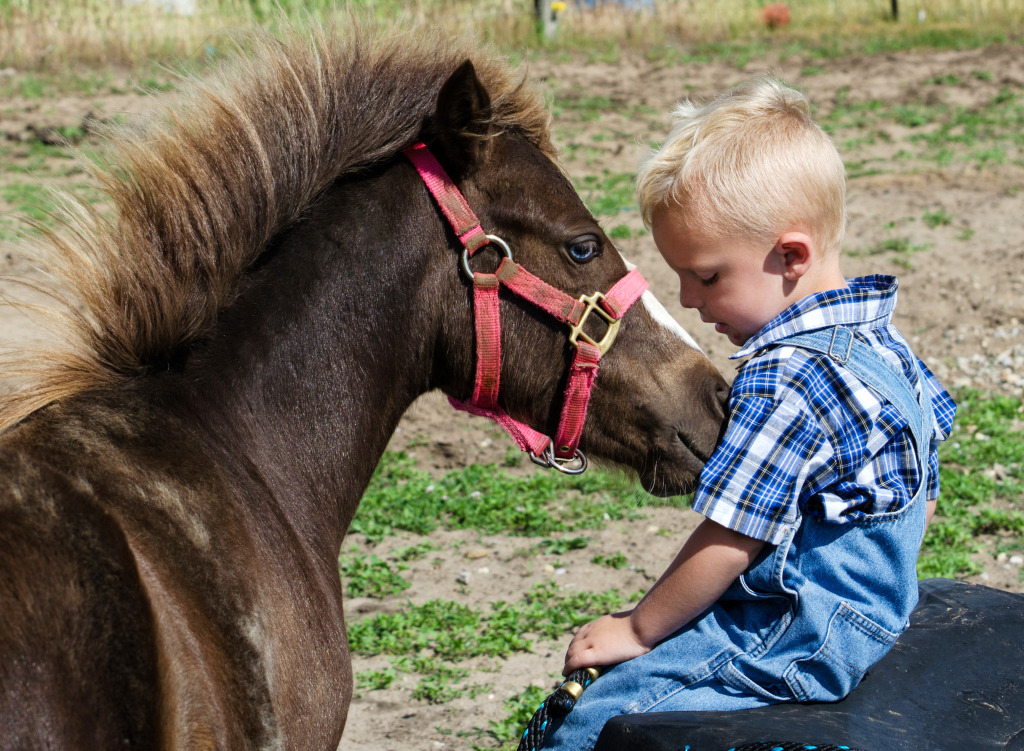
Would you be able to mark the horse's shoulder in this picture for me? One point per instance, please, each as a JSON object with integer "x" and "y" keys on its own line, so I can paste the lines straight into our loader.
{"x": 102, "y": 543}
{"x": 121, "y": 457}
{"x": 69, "y": 589}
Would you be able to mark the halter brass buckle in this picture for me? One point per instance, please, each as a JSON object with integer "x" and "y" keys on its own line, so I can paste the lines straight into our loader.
{"x": 576, "y": 331}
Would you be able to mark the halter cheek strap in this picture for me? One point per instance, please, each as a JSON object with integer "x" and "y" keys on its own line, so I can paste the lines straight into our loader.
{"x": 610, "y": 307}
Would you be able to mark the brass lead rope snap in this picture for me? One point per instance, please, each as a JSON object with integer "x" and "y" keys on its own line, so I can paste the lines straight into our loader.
{"x": 547, "y": 458}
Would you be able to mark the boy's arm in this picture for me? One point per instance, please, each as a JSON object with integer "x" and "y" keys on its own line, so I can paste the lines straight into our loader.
{"x": 712, "y": 558}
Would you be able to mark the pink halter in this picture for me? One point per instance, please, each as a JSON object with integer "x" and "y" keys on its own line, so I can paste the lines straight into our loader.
{"x": 563, "y": 452}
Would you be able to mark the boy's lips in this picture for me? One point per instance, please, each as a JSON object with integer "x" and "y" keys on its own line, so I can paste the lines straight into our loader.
{"x": 720, "y": 327}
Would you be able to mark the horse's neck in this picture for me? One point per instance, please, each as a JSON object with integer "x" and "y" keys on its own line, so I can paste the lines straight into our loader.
{"x": 315, "y": 363}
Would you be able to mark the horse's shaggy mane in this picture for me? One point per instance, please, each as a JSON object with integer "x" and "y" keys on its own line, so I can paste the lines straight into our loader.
{"x": 200, "y": 190}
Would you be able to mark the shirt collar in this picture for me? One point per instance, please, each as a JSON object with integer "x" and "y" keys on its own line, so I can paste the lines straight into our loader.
{"x": 867, "y": 303}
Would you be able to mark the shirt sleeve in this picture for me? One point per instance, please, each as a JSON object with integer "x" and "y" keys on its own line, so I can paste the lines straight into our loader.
{"x": 753, "y": 481}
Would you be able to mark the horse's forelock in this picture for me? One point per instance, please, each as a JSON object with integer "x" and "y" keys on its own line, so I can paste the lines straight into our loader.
{"x": 202, "y": 186}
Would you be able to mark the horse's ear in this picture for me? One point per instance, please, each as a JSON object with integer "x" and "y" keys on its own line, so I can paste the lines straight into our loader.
{"x": 462, "y": 119}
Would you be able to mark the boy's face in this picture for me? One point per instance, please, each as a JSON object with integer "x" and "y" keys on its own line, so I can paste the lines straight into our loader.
{"x": 738, "y": 285}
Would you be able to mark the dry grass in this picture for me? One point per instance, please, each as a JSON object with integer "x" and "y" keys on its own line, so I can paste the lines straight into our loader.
{"x": 52, "y": 35}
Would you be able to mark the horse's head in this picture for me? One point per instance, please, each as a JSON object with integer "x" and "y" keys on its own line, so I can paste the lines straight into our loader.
{"x": 657, "y": 404}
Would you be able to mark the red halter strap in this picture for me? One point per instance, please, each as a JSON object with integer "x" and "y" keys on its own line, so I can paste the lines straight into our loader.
{"x": 487, "y": 321}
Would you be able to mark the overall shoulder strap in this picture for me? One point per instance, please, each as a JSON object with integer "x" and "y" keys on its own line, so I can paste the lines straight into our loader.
{"x": 839, "y": 343}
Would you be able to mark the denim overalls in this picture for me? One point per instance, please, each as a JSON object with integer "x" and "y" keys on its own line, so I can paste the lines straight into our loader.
{"x": 808, "y": 618}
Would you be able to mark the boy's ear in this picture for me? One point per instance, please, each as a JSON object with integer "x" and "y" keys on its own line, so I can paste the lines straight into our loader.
{"x": 797, "y": 251}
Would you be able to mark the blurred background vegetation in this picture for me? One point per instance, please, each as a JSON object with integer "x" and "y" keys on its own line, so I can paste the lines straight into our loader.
{"x": 57, "y": 34}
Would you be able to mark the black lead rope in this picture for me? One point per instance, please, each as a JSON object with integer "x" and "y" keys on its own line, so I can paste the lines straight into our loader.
{"x": 564, "y": 698}
{"x": 558, "y": 704}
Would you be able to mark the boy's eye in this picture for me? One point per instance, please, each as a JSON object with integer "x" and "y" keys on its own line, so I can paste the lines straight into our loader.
{"x": 710, "y": 280}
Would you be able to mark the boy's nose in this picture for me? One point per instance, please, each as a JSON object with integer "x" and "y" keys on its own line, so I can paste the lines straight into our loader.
{"x": 688, "y": 298}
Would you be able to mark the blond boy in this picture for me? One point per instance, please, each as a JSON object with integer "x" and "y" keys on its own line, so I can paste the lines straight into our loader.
{"x": 803, "y": 572}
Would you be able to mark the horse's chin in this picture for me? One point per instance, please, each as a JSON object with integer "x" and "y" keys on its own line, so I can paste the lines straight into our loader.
{"x": 668, "y": 466}
{"x": 665, "y": 484}
{"x": 675, "y": 467}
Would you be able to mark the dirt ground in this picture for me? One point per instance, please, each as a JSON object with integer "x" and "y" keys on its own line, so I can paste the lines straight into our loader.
{"x": 961, "y": 306}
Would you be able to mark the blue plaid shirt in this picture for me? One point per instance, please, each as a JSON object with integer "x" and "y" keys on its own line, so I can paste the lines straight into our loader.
{"x": 805, "y": 436}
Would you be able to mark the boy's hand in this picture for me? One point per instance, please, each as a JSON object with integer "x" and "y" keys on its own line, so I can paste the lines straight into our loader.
{"x": 709, "y": 562}
{"x": 607, "y": 641}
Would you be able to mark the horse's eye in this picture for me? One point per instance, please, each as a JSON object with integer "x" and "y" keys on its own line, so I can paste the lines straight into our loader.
{"x": 584, "y": 249}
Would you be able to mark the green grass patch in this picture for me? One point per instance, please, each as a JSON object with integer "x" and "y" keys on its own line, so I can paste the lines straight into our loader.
{"x": 562, "y": 545}
{"x": 452, "y": 631}
{"x": 587, "y": 108}
{"x": 370, "y": 576}
{"x": 938, "y": 218}
{"x": 940, "y": 134}
{"x": 45, "y": 85}
{"x": 519, "y": 709}
{"x": 30, "y": 200}
{"x": 899, "y": 246}
{"x": 375, "y": 680}
{"x": 30, "y": 204}
{"x": 982, "y": 485}
{"x": 413, "y": 552}
{"x": 912, "y": 116}
{"x": 448, "y": 629}
{"x": 620, "y": 232}
{"x": 609, "y": 193}
{"x": 423, "y": 639}
{"x": 616, "y": 561}
{"x": 488, "y": 499}
{"x": 438, "y": 682}
{"x": 944, "y": 79}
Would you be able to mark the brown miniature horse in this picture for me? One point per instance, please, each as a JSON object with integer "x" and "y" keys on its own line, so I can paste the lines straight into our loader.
{"x": 241, "y": 338}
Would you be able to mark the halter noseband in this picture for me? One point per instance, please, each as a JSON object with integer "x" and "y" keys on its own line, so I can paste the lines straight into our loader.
{"x": 563, "y": 452}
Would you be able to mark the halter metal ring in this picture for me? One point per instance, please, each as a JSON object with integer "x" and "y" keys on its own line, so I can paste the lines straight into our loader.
{"x": 502, "y": 245}
{"x": 547, "y": 458}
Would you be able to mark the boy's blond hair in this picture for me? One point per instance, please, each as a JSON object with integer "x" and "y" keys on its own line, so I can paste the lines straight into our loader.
{"x": 750, "y": 163}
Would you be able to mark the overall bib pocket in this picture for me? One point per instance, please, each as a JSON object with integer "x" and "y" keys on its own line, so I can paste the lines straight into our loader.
{"x": 852, "y": 644}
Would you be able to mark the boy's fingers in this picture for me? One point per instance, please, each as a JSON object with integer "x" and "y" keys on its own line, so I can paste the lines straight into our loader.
{"x": 577, "y": 656}
{"x": 572, "y": 664}
{"x": 572, "y": 657}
